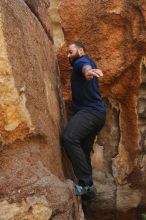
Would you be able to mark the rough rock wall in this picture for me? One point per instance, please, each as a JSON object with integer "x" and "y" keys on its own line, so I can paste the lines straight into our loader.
{"x": 115, "y": 35}
{"x": 58, "y": 35}
{"x": 32, "y": 183}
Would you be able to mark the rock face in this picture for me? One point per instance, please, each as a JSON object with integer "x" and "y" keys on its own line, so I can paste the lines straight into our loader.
{"x": 32, "y": 183}
{"x": 33, "y": 170}
{"x": 114, "y": 33}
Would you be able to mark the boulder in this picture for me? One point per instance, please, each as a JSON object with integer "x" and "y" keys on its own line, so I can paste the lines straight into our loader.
{"x": 32, "y": 116}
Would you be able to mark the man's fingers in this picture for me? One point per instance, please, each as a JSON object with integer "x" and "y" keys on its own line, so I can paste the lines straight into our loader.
{"x": 98, "y": 72}
{"x": 94, "y": 72}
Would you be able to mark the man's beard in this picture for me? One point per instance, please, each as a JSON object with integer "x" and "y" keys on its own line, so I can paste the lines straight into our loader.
{"x": 74, "y": 58}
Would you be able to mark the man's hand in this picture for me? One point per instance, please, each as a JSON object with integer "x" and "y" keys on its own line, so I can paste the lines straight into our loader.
{"x": 90, "y": 73}
{"x": 93, "y": 72}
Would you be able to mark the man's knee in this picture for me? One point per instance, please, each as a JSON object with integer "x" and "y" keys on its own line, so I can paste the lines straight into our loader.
{"x": 68, "y": 139}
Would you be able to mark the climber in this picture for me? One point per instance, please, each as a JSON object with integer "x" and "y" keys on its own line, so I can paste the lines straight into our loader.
{"x": 88, "y": 117}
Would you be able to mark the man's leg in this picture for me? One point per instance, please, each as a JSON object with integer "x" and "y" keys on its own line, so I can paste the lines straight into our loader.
{"x": 87, "y": 146}
{"x": 81, "y": 125}
{"x": 87, "y": 143}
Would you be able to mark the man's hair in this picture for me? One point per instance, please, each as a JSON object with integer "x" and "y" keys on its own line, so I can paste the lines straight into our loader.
{"x": 79, "y": 45}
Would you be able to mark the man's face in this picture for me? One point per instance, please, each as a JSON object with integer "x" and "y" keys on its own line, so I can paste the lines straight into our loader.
{"x": 73, "y": 53}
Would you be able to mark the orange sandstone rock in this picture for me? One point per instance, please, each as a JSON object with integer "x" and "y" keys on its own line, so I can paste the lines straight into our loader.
{"x": 31, "y": 117}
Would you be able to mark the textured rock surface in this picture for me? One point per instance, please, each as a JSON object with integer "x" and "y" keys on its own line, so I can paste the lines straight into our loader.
{"x": 32, "y": 174}
{"x": 33, "y": 208}
{"x": 56, "y": 20}
{"x": 114, "y": 33}
{"x": 32, "y": 183}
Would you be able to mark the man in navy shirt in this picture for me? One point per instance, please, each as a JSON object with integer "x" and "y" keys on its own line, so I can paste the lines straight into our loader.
{"x": 88, "y": 118}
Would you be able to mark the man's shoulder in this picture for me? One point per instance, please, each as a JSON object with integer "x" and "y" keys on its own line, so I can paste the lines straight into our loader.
{"x": 82, "y": 59}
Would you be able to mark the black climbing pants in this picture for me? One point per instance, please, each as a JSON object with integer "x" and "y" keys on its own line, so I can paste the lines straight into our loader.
{"x": 78, "y": 139}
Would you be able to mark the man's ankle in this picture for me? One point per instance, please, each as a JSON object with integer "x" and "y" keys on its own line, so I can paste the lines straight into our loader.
{"x": 81, "y": 190}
